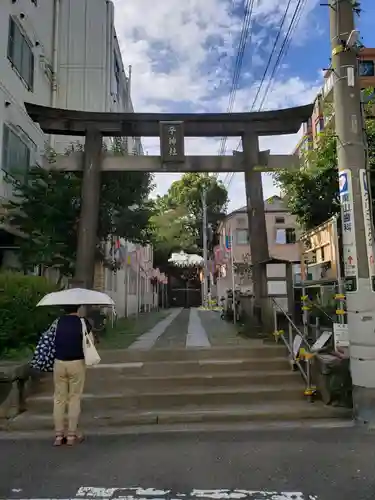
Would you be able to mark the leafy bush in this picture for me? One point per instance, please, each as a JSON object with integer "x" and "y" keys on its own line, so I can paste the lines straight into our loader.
{"x": 21, "y": 323}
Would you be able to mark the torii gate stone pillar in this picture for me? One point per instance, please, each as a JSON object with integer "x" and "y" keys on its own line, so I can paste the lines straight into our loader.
{"x": 89, "y": 217}
{"x": 95, "y": 126}
{"x": 258, "y": 240}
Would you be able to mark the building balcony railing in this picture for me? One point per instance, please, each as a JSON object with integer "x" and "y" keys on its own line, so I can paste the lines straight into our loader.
{"x": 327, "y": 91}
{"x": 329, "y": 119}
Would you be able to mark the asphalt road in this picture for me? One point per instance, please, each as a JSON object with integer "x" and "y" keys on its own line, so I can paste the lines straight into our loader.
{"x": 316, "y": 464}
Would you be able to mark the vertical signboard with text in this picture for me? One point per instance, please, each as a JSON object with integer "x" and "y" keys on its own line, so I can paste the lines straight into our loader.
{"x": 172, "y": 147}
{"x": 348, "y": 232}
{"x": 369, "y": 234}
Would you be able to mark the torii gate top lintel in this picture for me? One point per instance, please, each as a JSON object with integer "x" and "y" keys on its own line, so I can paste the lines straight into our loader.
{"x": 76, "y": 123}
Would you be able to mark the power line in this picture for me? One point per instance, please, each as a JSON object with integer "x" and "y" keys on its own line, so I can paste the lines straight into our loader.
{"x": 283, "y": 52}
{"x": 248, "y": 10}
{"x": 271, "y": 55}
{"x": 245, "y": 30}
{"x": 285, "y": 45}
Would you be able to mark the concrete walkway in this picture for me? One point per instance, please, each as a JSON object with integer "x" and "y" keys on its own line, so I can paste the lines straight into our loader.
{"x": 174, "y": 336}
{"x": 149, "y": 339}
{"x": 223, "y": 333}
{"x": 196, "y": 336}
{"x": 192, "y": 329}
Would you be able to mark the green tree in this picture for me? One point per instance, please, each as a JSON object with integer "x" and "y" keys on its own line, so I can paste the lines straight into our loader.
{"x": 173, "y": 231}
{"x": 177, "y": 223}
{"x": 312, "y": 192}
{"x": 188, "y": 192}
{"x": 46, "y": 209}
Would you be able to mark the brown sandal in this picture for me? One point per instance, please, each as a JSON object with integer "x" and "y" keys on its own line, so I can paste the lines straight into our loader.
{"x": 73, "y": 439}
{"x": 59, "y": 440}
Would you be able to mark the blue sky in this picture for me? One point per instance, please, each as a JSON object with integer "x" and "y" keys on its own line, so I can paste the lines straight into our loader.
{"x": 183, "y": 55}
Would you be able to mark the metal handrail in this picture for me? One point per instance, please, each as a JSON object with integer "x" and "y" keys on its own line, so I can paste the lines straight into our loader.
{"x": 291, "y": 322}
{"x": 305, "y": 371}
{"x": 295, "y": 361}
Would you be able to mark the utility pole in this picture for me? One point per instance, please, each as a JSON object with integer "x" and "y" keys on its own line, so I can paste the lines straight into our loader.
{"x": 205, "y": 252}
{"x": 356, "y": 231}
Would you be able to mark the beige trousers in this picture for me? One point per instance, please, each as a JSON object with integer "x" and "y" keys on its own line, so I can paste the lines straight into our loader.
{"x": 69, "y": 380}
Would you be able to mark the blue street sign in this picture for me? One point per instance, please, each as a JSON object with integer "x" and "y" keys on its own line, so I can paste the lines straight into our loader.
{"x": 343, "y": 182}
{"x": 228, "y": 243}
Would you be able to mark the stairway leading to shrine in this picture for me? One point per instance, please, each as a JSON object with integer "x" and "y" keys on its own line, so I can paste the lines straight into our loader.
{"x": 217, "y": 385}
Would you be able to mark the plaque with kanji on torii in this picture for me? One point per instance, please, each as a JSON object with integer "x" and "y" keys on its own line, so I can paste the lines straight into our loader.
{"x": 172, "y": 147}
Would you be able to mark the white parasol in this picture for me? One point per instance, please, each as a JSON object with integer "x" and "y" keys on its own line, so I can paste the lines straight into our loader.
{"x": 183, "y": 259}
{"x": 76, "y": 297}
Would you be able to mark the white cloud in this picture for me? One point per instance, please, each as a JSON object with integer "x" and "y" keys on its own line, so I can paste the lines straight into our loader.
{"x": 182, "y": 55}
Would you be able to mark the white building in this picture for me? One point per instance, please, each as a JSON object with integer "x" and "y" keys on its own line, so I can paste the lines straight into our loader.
{"x": 89, "y": 68}
{"x": 25, "y": 47}
{"x": 282, "y": 235}
{"x": 130, "y": 285}
{"x": 60, "y": 53}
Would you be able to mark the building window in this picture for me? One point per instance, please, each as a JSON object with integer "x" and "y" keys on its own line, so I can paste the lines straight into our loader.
{"x": 320, "y": 125}
{"x": 297, "y": 278}
{"x": 285, "y": 236}
{"x": 305, "y": 145}
{"x": 117, "y": 74}
{"x": 290, "y": 236}
{"x": 366, "y": 68}
{"x": 322, "y": 254}
{"x": 132, "y": 281}
{"x": 15, "y": 155}
{"x": 279, "y": 220}
{"x": 242, "y": 237}
{"x": 20, "y": 54}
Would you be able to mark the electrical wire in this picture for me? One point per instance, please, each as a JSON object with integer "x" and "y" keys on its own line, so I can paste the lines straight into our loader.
{"x": 285, "y": 46}
{"x": 246, "y": 26}
{"x": 229, "y": 175}
{"x": 282, "y": 53}
{"x": 244, "y": 37}
{"x": 271, "y": 55}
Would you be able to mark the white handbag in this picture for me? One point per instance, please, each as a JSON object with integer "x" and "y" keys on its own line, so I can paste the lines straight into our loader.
{"x": 89, "y": 350}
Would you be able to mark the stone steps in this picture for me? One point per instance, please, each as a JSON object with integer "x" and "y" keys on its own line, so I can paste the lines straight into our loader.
{"x": 97, "y": 382}
{"x": 296, "y": 411}
{"x": 183, "y": 386}
{"x": 256, "y": 351}
{"x": 177, "y": 368}
{"x": 130, "y": 400}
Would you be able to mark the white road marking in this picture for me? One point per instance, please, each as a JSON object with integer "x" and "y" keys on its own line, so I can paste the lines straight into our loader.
{"x": 253, "y": 495}
{"x": 148, "y": 339}
{"x": 197, "y": 336}
{"x": 88, "y": 492}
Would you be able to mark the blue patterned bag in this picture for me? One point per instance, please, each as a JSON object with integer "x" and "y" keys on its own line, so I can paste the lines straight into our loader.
{"x": 44, "y": 355}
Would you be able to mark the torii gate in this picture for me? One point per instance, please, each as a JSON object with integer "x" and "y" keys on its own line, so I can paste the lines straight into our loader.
{"x": 172, "y": 129}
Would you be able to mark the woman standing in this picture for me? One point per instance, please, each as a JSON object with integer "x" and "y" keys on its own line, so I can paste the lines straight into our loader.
{"x": 69, "y": 372}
